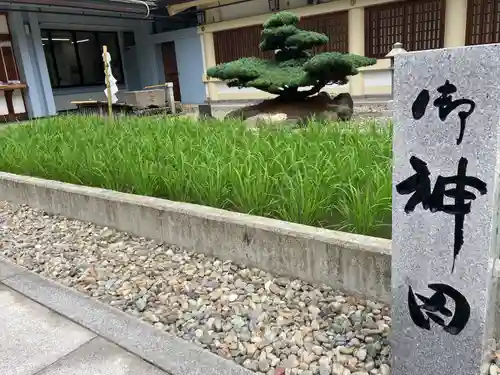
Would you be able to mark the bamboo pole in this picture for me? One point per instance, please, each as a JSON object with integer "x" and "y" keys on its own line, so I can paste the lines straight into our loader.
{"x": 108, "y": 86}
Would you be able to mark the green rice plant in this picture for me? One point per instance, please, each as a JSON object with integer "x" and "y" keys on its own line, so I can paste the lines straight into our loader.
{"x": 332, "y": 175}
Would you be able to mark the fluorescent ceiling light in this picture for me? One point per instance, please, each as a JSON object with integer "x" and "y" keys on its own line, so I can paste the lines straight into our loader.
{"x": 58, "y": 39}
{"x": 81, "y": 41}
{"x": 66, "y": 40}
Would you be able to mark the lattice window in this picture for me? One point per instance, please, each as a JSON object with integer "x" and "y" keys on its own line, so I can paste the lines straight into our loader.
{"x": 418, "y": 24}
{"x": 244, "y": 42}
{"x": 335, "y": 25}
{"x": 234, "y": 44}
{"x": 483, "y": 22}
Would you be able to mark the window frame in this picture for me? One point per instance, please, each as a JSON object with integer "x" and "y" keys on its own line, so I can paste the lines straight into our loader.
{"x": 408, "y": 27}
{"x": 77, "y": 56}
{"x": 485, "y": 29}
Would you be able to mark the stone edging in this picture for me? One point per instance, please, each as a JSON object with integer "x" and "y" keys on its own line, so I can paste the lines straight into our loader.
{"x": 356, "y": 264}
{"x": 170, "y": 353}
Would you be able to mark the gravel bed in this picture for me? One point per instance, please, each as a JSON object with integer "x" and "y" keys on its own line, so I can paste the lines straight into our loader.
{"x": 270, "y": 325}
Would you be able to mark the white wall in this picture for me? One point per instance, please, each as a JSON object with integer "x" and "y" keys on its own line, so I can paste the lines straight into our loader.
{"x": 4, "y": 28}
{"x": 223, "y": 89}
{"x": 189, "y": 55}
{"x": 17, "y": 102}
{"x": 377, "y": 78}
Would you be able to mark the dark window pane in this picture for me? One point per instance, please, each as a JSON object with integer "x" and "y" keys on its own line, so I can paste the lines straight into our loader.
{"x": 65, "y": 55}
{"x": 51, "y": 65}
{"x": 74, "y": 58}
{"x": 111, "y": 41}
{"x": 90, "y": 58}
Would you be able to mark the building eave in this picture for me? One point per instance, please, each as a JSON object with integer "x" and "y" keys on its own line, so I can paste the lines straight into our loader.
{"x": 127, "y": 7}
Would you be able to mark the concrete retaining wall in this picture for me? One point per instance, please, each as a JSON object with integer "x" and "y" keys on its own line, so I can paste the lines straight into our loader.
{"x": 357, "y": 264}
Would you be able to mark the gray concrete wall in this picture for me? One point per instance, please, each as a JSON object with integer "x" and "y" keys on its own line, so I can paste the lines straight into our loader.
{"x": 356, "y": 264}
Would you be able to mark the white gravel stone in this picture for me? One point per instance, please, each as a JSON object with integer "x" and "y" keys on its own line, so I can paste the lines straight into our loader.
{"x": 270, "y": 325}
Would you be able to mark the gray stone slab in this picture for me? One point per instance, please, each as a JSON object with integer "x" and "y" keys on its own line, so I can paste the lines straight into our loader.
{"x": 170, "y": 353}
{"x": 8, "y": 269}
{"x": 100, "y": 357}
{"x": 32, "y": 336}
{"x": 425, "y": 240}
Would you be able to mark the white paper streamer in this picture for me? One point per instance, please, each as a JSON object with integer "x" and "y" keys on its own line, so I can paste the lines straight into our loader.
{"x": 112, "y": 80}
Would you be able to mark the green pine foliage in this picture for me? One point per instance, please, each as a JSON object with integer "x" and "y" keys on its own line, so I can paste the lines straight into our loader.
{"x": 294, "y": 65}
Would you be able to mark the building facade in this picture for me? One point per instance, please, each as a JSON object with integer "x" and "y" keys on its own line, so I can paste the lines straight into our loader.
{"x": 50, "y": 50}
{"x": 364, "y": 27}
{"x": 51, "y": 55}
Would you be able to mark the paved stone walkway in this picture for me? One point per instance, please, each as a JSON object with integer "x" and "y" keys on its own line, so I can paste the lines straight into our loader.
{"x": 36, "y": 340}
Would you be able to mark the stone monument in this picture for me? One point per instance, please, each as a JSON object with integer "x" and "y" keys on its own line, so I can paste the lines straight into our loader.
{"x": 445, "y": 207}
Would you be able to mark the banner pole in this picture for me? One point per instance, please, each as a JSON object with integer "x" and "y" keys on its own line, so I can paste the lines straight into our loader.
{"x": 108, "y": 86}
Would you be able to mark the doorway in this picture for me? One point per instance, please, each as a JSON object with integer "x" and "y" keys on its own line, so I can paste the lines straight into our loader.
{"x": 170, "y": 67}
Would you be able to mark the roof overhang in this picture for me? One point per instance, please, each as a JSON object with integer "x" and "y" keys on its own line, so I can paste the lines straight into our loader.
{"x": 131, "y": 8}
{"x": 176, "y": 6}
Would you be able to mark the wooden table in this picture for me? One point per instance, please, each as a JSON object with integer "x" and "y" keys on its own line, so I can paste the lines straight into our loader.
{"x": 100, "y": 107}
